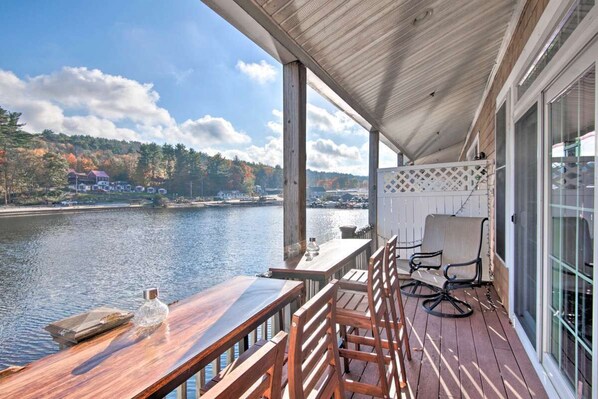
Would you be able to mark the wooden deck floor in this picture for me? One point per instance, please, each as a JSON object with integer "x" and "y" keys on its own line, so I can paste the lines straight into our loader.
{"x": 476, "y": 357}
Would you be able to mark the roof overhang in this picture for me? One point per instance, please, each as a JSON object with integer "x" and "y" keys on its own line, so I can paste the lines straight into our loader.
{"x": 418, "y": 83}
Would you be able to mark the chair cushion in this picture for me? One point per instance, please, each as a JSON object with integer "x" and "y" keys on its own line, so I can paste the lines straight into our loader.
{"x": 430, "y": 276}
{"x": 403, "y": 269}
{"x": 434, "y": 232}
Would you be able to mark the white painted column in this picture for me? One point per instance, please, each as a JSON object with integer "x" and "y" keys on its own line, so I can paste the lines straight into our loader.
{"x": 400, "y": 159}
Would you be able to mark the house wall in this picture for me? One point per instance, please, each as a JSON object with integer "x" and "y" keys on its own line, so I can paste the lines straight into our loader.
{"x": 485, "y": 122}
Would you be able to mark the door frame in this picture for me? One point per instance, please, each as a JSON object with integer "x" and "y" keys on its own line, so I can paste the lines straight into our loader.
{"x": 584, "y": 62}
{"x": 522, "y": 108}
{"x": 580, "y": 40}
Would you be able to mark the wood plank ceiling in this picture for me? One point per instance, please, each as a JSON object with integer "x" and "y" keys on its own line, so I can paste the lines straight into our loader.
{"x": 420, "y": 82}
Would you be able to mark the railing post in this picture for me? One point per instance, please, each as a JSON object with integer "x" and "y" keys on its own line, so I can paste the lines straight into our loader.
{"x": 181, "y": 391}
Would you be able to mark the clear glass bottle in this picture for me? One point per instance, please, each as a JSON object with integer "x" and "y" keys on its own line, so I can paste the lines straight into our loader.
{"x": 313, "y": 247}
{"x": 152, "y": 312}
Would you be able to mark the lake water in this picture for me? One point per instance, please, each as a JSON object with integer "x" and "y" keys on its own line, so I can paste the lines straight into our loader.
{"x": 55, "y": 266}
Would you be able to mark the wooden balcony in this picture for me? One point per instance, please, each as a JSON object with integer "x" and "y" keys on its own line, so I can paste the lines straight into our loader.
{"x": 475, "y": 357}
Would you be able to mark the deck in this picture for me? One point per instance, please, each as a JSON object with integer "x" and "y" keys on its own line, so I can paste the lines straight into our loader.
{"x": 476, "y": 357}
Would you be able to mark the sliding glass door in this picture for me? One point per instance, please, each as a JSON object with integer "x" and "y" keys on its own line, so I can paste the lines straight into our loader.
{"x": 572, "y": 156}
{"x": 525, "y": 220}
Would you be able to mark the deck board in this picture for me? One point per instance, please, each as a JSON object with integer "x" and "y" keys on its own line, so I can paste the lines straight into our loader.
{"x": 475, "y": 357}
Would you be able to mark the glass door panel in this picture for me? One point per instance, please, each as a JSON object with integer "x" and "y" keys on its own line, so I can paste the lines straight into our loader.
{"x": 571, "y": 224}
{"x": 525, "y": 220}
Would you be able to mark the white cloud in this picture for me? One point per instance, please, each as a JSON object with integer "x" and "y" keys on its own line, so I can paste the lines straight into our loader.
{"x": 261, "y": 72}
{"x": 84, "y": 101}
{"x": 321, "y": 120}
{"x": 98, "y": 127}
{"x": 322, "y": 154}
{"x": 210, "y": 130}
{"x": 276, "y": 126}
{"x": 269, "y": 154}
{"x": 95, "y": 92}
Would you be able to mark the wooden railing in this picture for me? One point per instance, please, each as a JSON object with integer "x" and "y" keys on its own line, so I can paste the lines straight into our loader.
{"x": 361, "y": 260}
{"x": 197, "y": 379}
{"x": 194, "y": 387}
{"x": 276, "y": 323}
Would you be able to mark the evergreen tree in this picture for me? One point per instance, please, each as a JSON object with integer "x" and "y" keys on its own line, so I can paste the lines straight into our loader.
{"x": 11, "y": 138}
{"x": 55, "y": 167}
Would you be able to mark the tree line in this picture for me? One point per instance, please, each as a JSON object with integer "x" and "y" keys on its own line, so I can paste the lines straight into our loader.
{"x": 37, "y": 163}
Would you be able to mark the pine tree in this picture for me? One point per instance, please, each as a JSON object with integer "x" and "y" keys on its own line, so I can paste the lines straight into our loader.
{"x": 11, "y": 139}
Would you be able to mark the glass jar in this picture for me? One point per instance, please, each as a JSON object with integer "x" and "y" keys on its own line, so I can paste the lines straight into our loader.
{"x": 312, "y": 247}
{"x": 153, "y": 312}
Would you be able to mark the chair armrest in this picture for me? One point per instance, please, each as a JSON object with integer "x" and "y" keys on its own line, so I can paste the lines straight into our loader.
{"x": 413, "y": 265}
{"x": 410, "y": 246}
{"x": 352, "y": 285}
{"x": 454, "y": 279}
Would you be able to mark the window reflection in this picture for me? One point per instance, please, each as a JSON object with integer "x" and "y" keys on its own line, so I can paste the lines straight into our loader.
{"x": 573, "y": 141}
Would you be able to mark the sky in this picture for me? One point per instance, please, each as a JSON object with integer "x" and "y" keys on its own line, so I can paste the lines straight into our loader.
{"x": 160, "y": 71}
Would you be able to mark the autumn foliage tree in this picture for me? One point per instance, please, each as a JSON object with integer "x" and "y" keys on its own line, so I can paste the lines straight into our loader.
{"x": 31, "y": 164}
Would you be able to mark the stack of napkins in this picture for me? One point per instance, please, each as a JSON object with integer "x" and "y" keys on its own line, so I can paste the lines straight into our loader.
{"x": 74, "y": 329}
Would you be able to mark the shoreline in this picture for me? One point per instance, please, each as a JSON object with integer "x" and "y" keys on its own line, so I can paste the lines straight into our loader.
{"x": 42, "y": 210}
{"x": 14, "y": 211}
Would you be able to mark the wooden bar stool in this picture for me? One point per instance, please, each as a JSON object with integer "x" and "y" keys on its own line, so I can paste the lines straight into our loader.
{"x": 392, "y": 289}
{"x": 366, "y": 308}
{"x": 314, "y": 363}
{"x": 259, "y": 375}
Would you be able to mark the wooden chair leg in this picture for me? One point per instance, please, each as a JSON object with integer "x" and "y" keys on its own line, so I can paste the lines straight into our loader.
{"x": 405, "y": 335}
{"x": 345, "y": 345}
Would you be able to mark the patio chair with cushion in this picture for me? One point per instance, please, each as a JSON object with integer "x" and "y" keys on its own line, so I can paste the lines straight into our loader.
{"x": 461, "y": 266}
{"x": 429, "y": 256}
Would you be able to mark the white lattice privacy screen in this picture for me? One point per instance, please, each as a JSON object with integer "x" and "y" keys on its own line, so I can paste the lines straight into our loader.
{"x": 406, "y": 195}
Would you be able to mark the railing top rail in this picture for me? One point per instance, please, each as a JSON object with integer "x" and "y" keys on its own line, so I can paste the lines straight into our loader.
{"x": 483, "y": 162}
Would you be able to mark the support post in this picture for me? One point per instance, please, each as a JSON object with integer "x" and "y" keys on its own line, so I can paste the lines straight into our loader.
{"x": 372, "y": 182}
{"x": 294, "y": 157}
{"x": 400, "y": 159}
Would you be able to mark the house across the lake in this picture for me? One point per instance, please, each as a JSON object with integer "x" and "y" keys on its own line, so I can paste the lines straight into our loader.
{"x": 315, "y": 192}
{"x": 230, "y": 194}
{"x": 97, "y": 176}
{"x": 75, "y": 177}
{"x": 90, "y": 178}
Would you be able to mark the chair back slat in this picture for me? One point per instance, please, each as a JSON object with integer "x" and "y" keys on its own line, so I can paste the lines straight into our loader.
{"x": 314, "y": 366}
{"x": 258, "y": 376}
{"x": 395, "y": 301}
{"x": 380, "y": 318}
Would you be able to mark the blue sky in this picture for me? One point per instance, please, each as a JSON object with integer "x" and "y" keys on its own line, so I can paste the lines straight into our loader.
{"x": 164, "y": 71}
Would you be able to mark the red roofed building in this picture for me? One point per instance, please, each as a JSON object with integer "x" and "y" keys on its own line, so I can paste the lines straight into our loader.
{"x": 96, "y": 176}
{"x": 93, "y": 177}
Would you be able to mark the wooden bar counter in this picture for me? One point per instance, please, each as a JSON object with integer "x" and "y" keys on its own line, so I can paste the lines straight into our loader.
{"x": 334, "y": 256}
{"x": 129, "y": 363}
